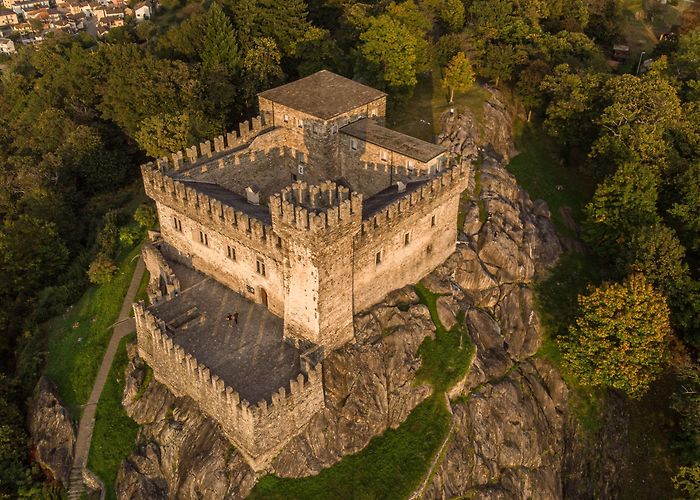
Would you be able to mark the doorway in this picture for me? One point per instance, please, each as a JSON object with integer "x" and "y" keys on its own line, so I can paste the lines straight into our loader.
{"x": 263, "y": 297}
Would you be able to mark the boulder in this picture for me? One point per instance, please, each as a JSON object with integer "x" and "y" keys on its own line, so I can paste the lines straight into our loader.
{"x": 52, "y": 431}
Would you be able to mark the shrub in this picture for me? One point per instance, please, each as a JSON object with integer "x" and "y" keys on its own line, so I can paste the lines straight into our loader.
{"x": 102, "y": 270}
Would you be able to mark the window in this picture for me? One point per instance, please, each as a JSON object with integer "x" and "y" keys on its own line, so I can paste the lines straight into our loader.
{"x": 300, "y": 169}
{"x": 279, "y": 242}
{"x": 410, "y": 166}
{"x": 300, "y": 157}
{"x": 406, "y": 239}
{"x": 334, "y": 128}
{"x": 204, "y": 238}
{"x": 300, "y": 123}
{"x": 230, "y": 252}
{"x": 373, "y": 113}
{"x": 286, "y": 118}
{"x": 384, "y": 155}
{"x": 432, "y": 221}
{"x": 177, "y": 224}
{"x": 378, "y": 258}
{"x": 315, "y": 129}
{"x": 353, "y": 144}
{"x": 260, "y": 267}
{"x": 429, "y": 249}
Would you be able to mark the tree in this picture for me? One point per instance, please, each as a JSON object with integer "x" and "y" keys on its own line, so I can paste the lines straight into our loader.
{"x": 622, "y": 205}
{"x": 31, "y": 255}
{"x": 458, "y": 75}
{"x": 390, "y": 48}
{"x": 686, "y": 209}
{"x": 687, "y": 481}
{"x": 620, "y": 338}
{"x": 162, "y": 134}
{"x": 633, "y": 126}
{"x": 101, "y": 270}
{"x": 686, "y": 402}
{"x": 656, "y": 252}
{"x": 574, "y": 103}
{"x": 262, "y": 65}
{"x": 500, "y": 61}
{"x": 451, "y": 14}
{"x": 220, "y": 49}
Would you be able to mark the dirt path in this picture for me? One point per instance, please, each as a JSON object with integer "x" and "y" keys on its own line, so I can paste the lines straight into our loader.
{"x": 124, "y": 326}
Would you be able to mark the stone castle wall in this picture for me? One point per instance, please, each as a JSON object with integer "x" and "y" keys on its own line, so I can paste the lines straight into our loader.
{"x": 258, "y": 431}
{"x": 251, "y": 239}
{"x": 428, "y": 217}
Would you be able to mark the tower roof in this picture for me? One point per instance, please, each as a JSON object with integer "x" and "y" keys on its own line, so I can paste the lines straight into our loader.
{"x": 323, "y": 94}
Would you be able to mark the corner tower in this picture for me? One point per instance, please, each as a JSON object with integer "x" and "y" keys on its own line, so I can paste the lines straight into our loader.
{"x": 318, "y": 222}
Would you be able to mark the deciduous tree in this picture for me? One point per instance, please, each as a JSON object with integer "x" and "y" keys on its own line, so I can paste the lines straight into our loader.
{"x": 458, "y": 75}
{"x": 620, "y": 338}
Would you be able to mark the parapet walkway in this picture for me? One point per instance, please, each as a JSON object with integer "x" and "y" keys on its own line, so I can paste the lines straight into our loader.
{"x": 123, "y": 327}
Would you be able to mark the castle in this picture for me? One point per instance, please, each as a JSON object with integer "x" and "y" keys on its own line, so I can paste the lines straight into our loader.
{"x": 272, "y": 238}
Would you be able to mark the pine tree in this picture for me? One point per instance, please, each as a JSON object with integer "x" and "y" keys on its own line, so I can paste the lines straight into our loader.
{"x": 220, "y": 49}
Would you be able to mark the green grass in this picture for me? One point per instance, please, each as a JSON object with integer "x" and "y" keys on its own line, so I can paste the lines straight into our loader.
{"x": 393, "y": 464}
{"x": 445, "y": 359}
{"x": 78, "y": 338}
{"x": 539, "y": 172}
{"x": 142, "y": 292}
{"x": 115, "y": 433}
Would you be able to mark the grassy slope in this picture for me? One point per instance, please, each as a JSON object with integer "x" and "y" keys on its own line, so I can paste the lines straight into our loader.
{"x": 78, "y": 339}
{"x": 115, "y": 433}
{"x": 540, "y": 173}
{"x": 142, "y": 292}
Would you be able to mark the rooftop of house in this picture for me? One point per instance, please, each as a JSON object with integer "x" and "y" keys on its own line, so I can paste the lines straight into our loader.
{"x": 323, "y": 94}
{"x": 251, "y": 357}
{"x": 370, "y": 131}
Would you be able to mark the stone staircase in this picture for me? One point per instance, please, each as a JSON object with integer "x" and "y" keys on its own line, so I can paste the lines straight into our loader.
{"x": 76, "y": 488}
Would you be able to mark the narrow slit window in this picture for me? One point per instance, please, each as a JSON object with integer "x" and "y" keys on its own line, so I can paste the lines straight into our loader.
{"x": 429, "y": 249}
{"x": 378, "y": 258}
{"x": 406, "y": 239}
{"x": 177, "y": 223}
{"x": 432, "y": 221}
{"x": 230, "y": 252}
{"x": 286, "y": 118}
{"x": 204, "y": 238}
{"x": 353, "y": 144}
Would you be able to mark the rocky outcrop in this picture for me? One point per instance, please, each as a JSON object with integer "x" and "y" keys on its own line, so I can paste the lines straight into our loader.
{"x": 369, "y": 386}
{"x": 52, "y": 431}
{"x": 466, "y": 133}
{"x": 180, "y": 452}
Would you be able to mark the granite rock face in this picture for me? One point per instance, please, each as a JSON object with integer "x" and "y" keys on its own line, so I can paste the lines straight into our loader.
{"x": 180, "y": 452}
{"x": 369, "y": 386}
{"x": 52, "y": 431}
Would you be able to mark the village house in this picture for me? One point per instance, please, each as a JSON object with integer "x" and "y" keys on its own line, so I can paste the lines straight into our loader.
{"x": 7, "y": 46}
{"x": 8, "y": 17}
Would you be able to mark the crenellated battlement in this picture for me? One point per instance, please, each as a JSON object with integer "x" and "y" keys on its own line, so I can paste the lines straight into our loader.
{"x": 259, "y": 431}
{"x": 207, "y": 210}
{"x": 315, "y": 207}
{"x": 240, "y": 136}
{"x": 449, "y": 182}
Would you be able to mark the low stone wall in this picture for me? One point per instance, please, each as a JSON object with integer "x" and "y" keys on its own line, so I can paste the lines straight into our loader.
{"x": 259, "y": 432}
{"x": 163, "y": 284}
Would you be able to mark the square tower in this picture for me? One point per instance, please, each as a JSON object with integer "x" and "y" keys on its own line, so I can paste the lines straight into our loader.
{"x": 318, "y": 222}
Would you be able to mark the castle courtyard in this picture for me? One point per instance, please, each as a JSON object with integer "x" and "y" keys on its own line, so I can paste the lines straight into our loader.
{"x": 250, "y": 356}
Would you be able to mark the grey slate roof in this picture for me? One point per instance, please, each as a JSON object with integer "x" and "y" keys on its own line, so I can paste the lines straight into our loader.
{"x": 370, "y": 131}
{"x": 323, "y": 94}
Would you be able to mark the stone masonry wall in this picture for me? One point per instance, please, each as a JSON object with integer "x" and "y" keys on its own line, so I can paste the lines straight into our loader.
{"x": 224, "y": 226}
{"x": 430, "y": 241}
{"x": 259, "y": 431}
{"x": 318, "y": 140}
{"x": 241, "y": 274}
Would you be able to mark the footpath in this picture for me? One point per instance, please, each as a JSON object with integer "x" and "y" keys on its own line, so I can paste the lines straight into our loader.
{"x": 123, "y": 327}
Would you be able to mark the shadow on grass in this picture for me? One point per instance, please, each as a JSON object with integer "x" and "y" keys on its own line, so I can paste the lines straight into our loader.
{"x": 77, "y": 340}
